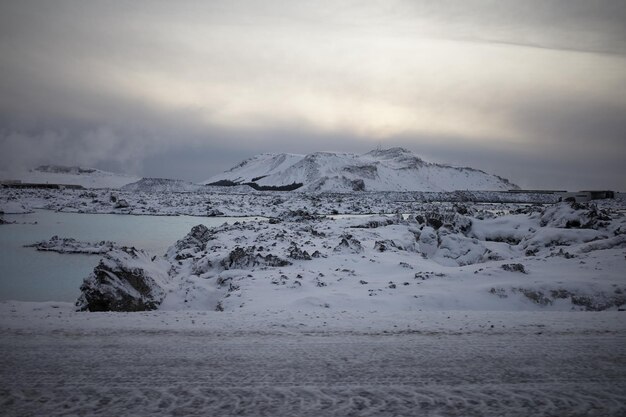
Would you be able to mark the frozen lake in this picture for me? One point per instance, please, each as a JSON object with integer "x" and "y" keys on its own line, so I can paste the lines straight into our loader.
{"x": 30, "y": 275}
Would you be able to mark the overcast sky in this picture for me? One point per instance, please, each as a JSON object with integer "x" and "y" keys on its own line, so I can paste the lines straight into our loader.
{"x": 531, "y": 90}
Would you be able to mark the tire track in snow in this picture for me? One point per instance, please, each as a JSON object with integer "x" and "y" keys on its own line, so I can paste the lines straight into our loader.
{"x": 178, "y": 374}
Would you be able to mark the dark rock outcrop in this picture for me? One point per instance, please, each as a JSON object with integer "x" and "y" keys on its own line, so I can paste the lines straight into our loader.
{"x": 244, "y": 258}
{"x": 349, "y": 244}
{"x": 587, "y": 301}
{"x": 161, "y": 185}
{"x": 572, "y": 215}
{"x": 124, "y": 280}
{"x": 299, "y": 215}
{"x": 70, "y": 245}
{"x": 121, "y": 203}
{"x": 514, "y": 268}
{"x": 385, "y": 245}
{"x": 380, "y": 222}
{"x": 447, "y": 218}
{"x": 195, "y": 241}
{"x": 294, "y": 252}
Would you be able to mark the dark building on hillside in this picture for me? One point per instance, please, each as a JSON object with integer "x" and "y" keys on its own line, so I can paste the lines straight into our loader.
{"x": 583, "y": 196}
{"x": 19, "y": 184}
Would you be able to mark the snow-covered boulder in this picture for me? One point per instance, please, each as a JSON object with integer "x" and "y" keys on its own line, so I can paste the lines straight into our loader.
{"x": 451, "y": 220}
{"x": 121, "y": 203}
{"x": 245, "y": 258}
{"x": 299, "y": 215}
{"x": 194, "y": 242}
{"x": 574, "y": 216}
{"x": 349, "y": 245}
{"x": 212, "y": 212}
{"x": 295, "y": 252}
{"x": 428, "y": 242}
{"x": 550, "y": 237}
{"x": 380, "y": 221}
{"x": 126, "y": 279}
{"x": 455, "y": 249}
{"x": 70, "y": 245}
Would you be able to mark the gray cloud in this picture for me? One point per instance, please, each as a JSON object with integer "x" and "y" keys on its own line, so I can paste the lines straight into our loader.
{"x": 577, "y": 25}
{"x": 531, "y": 90}
{"x": 91, "y": 147}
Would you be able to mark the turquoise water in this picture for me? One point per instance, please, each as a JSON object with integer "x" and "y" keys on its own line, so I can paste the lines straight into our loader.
{"x": 29, "y": 275}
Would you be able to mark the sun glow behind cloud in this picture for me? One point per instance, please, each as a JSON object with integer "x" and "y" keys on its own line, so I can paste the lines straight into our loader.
{"x": 523, "y": 78}
{"x": 375, "y": 85}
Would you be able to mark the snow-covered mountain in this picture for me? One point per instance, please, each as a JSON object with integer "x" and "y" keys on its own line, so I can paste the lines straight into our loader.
{"x": 162, "y": 185}
{"x": 394, "y": 169}
{"x": 59, "y": 174}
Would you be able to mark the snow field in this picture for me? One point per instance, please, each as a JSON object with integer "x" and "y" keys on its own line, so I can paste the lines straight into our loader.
{"x": 55, "y": 361}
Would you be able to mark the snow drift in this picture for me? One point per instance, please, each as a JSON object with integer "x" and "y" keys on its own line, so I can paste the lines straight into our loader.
{"x": 561, "y": 257}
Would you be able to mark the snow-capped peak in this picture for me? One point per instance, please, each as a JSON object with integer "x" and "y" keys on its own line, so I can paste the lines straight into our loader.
{"x": 390, "y": 153}
{"x": 393, "y": 169}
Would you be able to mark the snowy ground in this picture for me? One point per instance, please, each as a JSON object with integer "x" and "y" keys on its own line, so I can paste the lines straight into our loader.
{"x": 54, "y": 361}
{"x": 560, "y": 257}
{"x": 232, "y": 201}
{"x": 450, "y": 310}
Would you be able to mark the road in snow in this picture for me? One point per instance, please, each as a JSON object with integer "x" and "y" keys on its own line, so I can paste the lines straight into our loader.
{"x": 113, "y": 369}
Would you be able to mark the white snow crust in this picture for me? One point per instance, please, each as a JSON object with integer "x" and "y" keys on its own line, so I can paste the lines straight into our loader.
{"x": 55, "y": 361}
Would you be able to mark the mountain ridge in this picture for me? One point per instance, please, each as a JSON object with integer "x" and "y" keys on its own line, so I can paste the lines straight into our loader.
{"x": 393, "y": 169}
{"x": 73, "y": 175}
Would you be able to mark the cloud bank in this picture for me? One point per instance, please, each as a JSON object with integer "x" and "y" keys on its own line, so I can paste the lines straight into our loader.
{"x": 534, "y": 91}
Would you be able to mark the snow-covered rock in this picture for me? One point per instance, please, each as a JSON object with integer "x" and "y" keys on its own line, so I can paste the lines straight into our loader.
{"x": 193, "y": 243}
{"x": 394, "y": 169}
{"x": 250, "y": 257}
{"x": 126, "y": 279}
{"x": 162, "y": 185}
{"x": 301, "y": 258}
{"x": 121, "y": 204}
{"x": 70, "y": 245}
{"x": 574, "y": 215}
{"x": 441, "y": 256}
{"x": 348, "y": 244}
{"x": 408, "y": 262}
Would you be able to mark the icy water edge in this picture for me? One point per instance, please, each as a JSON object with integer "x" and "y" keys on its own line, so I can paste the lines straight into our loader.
{"x": 30, "y": 275}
